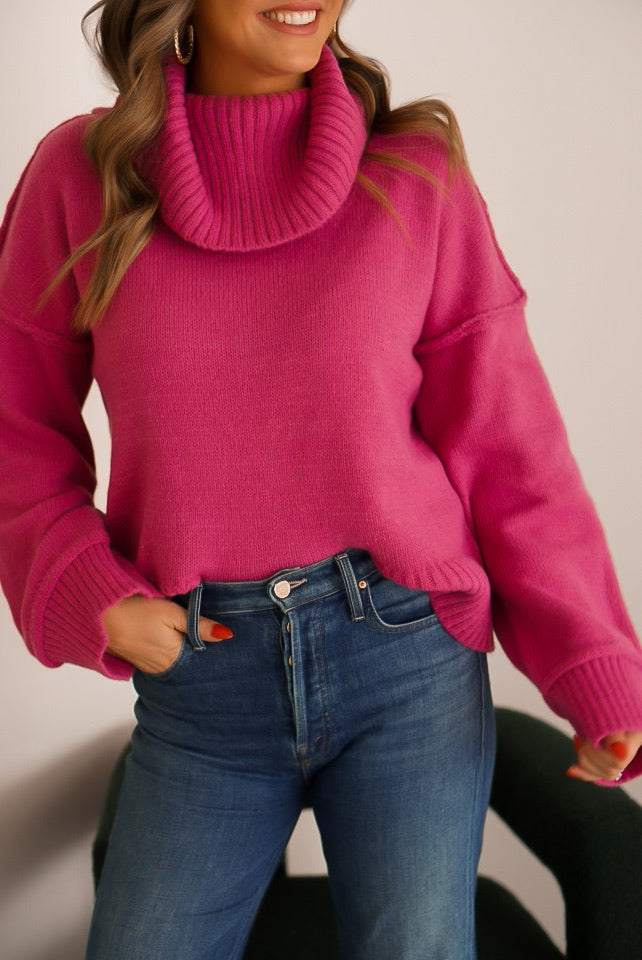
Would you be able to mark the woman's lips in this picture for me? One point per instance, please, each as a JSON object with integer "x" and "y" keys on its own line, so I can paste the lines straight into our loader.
{"x": 300, "y": 29}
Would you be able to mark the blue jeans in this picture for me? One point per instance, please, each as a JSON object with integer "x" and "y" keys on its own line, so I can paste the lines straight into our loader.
{"x": 339, "y": 687}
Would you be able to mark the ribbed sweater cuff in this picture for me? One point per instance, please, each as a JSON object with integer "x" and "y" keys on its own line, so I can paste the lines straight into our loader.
{"x": 72, "y": 626}
{"x": 601, "y": 697}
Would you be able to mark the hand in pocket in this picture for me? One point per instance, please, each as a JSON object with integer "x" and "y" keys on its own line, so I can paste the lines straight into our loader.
{"x": 149, "y": 632}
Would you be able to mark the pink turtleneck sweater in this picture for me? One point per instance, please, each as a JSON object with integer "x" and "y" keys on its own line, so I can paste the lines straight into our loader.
{"x": 286, "y": 375}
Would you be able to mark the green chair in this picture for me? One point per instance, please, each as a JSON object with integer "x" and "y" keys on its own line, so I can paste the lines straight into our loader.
{"x": 589, "y": 837}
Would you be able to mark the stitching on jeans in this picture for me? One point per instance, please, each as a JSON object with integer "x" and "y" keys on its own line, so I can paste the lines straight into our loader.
{"x": 480, "y": 773}
{"x": 297, "y": 583}
{"x": 307, "y": 762}
{"x": 375, "y": 621}
{"x": 319, "y": 596}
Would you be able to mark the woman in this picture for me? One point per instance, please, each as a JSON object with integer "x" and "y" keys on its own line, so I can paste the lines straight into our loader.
{"x": 337, "y": 466}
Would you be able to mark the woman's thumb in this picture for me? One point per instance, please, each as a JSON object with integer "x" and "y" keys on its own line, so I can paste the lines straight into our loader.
{"x": 208, "y": 630}
{"x": 212, "y": 630}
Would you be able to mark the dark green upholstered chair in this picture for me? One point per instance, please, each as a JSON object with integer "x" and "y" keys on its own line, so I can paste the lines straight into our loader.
{"x": 589, "y": 837}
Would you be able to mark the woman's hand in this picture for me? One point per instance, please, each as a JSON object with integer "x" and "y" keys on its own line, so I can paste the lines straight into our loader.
{"x": 148, "y": 632}
{"x": 616, "y": 752}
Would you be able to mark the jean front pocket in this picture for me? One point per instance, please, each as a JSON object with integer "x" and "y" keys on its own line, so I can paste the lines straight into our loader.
{"x": 394, "y": 608}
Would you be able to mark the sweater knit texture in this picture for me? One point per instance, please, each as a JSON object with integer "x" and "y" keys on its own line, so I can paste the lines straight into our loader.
{"x": 289, "y": 372}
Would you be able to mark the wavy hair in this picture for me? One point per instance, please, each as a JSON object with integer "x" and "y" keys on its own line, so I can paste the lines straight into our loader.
{"x": 131, "y": 39}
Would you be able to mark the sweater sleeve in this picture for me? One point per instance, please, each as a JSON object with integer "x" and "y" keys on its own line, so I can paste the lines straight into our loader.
{"x": 486, "y": 407}
{"x": 57, "y": 569}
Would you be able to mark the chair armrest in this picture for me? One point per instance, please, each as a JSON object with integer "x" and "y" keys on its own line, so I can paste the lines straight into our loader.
{"x": 590, "y": 837}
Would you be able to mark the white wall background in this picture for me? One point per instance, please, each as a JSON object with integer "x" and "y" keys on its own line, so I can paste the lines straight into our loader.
{"x": 548, "y": 96}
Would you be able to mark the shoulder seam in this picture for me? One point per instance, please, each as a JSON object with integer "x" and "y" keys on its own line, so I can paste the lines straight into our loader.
{"x": 468, "y": 327}
{"x": 59, "y": 126}
{"x": 500, "y": 253}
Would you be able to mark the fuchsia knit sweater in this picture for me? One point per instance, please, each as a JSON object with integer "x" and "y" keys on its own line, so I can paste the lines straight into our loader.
{"x": 288, "y": 374}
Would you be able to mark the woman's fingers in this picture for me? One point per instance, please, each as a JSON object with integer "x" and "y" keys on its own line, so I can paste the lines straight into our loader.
{"x": 599, "y": 763}
{"x": 209, "y": 630}
{"x": 579, "y": 773}
{"x": 589, "y": 767}
{"x": 623, "y": 746}
{"x": 607, "y": 761}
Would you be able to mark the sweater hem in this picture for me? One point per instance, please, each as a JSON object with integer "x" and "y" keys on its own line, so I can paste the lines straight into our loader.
{"x": 600, "y": 697}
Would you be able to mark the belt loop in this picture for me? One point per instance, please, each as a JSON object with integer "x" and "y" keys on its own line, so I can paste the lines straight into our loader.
{"x": 350, "y": 583}
{"x": 193, "y": 614}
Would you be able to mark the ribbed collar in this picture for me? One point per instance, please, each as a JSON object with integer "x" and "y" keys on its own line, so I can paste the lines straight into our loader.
{"x": 243, "y": 172}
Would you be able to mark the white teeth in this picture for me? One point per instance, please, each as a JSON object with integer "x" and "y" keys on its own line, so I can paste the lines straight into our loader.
{"x": 302, "y": 16}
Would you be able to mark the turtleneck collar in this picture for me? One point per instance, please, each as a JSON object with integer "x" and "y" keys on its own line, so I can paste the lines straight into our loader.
{"x": 243, "y": 172}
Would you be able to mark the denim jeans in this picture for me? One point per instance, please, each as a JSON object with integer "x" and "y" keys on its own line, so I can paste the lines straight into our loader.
{"x": 341, "y": 687}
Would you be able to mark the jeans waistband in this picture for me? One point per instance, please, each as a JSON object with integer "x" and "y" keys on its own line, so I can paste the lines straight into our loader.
{"x": 287, "y": 588}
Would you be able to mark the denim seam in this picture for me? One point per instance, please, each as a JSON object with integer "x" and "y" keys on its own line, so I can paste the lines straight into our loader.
{"x": 269, "y": 606}
{"x": 470, "y": 879}
{"x": 244, "y": 935}
{"x": 327, "y": 721}
{"x": 377, "y": 624}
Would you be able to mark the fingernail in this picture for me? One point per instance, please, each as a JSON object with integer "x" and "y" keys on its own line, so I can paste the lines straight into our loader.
{"x": 571, "y": 773}
{"x": 619, "y": 749}
{"x": 221, "y": 632}
{"x": 577, "y": 741}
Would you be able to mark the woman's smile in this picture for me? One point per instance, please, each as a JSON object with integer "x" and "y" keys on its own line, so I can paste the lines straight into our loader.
{"x": 292, "y": 20}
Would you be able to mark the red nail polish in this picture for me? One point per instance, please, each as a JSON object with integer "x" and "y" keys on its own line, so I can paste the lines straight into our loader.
{"x": 571, "y": 773}
{"x": 619, "y": 749}
{"x": 577, "y": 741}
{"x": 221, "y": 632}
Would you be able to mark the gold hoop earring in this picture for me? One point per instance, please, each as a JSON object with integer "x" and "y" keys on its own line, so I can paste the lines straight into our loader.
{"x": 333, "y": 33}
{"x": 177, "y": 45}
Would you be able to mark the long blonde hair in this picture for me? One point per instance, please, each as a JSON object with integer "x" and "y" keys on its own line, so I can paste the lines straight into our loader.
{"x": 131, "y": 39}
